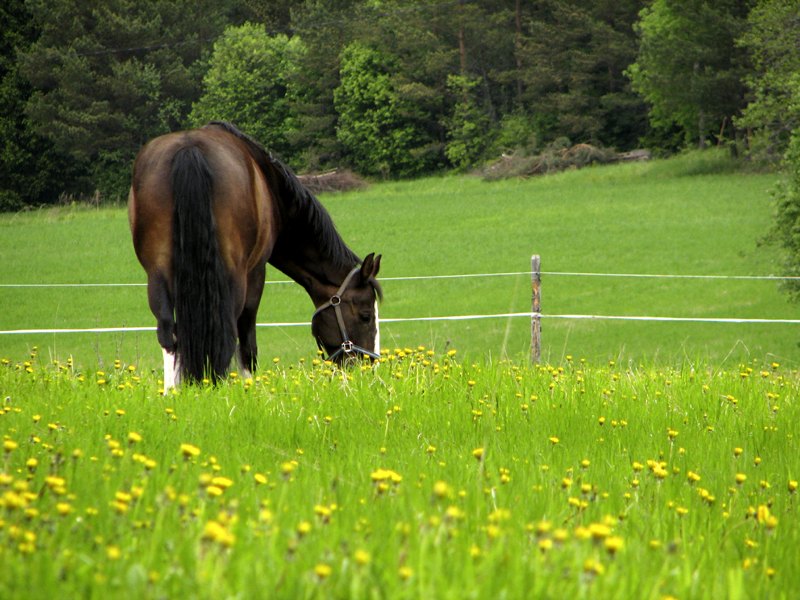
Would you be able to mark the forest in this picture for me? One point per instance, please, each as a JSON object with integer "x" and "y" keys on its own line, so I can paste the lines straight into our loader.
{"x": 387, "y": 88}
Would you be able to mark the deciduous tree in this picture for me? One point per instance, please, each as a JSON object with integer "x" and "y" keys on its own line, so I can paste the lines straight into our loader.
{"x": 373, "y": 115}
{"x": 249, "y": 82}
{"x": 689, "y": 69}
{"x": 773, "y": 43}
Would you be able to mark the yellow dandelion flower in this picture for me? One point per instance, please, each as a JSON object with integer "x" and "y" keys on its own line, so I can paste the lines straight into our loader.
{"x": 214, "y": 491}
{"x": 599, "y": 531}
{"x": 613, "y": 544}
{"x": 265, "y": 516}
{"x": 659, "y": 472}
{"x": 593, "y": 567}
{"x": 55, "y": 482}
{"x": 113, "y": 552}
{"x": 441, "y": 489}
{"x": 323, "y": 571}
{"x": 386, "y": 475}
{"x": 190, "y": 451}
{"x": 560, "y": 535}
{"x": 120, "y": 507}
{"x": 323, "y": 512}
{"x": 288, "y": 468}
{"x": 405, "y": 572}
{"x": 64, "y": 508}
{"x": 362, "y": 557}
{"x": 478, "y": 453}
{"x": 222, "y": 482}
{"x": 303, "y": 528}
{"x": 454, "y": 513}
{"x": 216, "y": 532}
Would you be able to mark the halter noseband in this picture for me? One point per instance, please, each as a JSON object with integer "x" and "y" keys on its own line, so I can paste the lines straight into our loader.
{"x": 347, "y": 347}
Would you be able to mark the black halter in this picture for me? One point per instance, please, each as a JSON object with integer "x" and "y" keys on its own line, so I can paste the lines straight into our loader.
{"x": 347, "y": 347}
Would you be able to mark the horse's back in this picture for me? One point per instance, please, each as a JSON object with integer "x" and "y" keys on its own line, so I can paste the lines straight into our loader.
{"x": 242, "y": 204}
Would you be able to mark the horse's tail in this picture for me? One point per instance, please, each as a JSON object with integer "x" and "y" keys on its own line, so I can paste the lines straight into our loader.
{"x": 205, "y": 328}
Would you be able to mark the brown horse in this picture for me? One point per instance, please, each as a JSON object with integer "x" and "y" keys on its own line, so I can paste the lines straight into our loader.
{"x": 208, "y": 208}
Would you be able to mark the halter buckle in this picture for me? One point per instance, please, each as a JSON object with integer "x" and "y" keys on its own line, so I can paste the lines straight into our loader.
{"x": 347, "y": 347}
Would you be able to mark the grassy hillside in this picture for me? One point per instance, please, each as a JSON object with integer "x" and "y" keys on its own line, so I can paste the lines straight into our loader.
{"x": 690, "y": 215}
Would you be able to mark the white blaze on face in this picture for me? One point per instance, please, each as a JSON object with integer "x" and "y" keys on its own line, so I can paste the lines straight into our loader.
{"x": 376, "y": 347}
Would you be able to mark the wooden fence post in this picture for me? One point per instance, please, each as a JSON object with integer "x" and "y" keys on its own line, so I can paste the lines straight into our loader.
{"x": 536, "y": 307}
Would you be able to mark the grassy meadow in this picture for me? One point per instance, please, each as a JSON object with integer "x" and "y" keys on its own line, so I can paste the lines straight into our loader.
{"x": 690, "y": 215}
{"x": 639, "y": 460}
{"x": 423, "y": 477}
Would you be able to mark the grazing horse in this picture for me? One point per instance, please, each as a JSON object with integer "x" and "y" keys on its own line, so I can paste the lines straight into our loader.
{"x": 208, "y": 208}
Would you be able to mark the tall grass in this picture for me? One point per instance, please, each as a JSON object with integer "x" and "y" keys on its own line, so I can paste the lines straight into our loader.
{"x": 424, "y": 477}
{"x": 690, "y": 215}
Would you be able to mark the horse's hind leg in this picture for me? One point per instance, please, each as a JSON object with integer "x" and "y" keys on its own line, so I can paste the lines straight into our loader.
{"x": 162, "y": 306}
{"x": 248, "y": 348}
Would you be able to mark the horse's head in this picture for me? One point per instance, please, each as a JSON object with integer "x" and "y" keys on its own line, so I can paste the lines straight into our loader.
{"x": 346, "y": 326}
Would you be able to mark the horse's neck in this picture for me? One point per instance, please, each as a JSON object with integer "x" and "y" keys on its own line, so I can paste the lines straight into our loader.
{"x": 308, "y": 248}
{"x": 316, "y": 276}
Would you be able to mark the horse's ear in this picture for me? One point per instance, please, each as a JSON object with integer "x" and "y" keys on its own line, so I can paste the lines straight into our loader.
{"x": 370, "y": 266}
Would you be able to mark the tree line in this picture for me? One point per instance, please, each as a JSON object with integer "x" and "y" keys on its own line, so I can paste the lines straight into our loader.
{"x": 390, "y": 88}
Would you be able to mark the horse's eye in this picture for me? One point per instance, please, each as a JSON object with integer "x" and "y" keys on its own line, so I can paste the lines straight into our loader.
{"x": 365, "y": 317}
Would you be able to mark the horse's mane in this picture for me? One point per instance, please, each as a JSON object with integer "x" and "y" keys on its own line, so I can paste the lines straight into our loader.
{"x": 301, "y": 213}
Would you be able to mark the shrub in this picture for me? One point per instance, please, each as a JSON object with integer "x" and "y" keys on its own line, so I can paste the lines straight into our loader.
{"x": 786, "y": 228}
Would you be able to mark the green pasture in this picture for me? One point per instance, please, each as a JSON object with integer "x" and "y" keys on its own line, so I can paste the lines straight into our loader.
{"x": 693, "y": 215}
{"x": 424, "y": 477}
{"x": 640, "y": 460}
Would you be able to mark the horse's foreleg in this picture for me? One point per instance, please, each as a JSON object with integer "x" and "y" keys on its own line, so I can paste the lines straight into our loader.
{"x": 161, "y": 304}
{"x": 246, "y": 324}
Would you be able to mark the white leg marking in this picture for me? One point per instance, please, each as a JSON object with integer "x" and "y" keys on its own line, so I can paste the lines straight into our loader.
{"x": 376, "y": 347}
{"x": 243, "y": 370}
{"x": 171, "y": 371}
